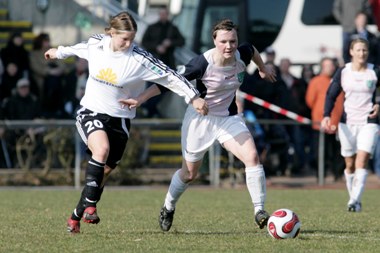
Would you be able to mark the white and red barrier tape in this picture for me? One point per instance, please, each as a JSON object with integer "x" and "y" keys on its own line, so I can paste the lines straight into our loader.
{"x": 274, "y": 108}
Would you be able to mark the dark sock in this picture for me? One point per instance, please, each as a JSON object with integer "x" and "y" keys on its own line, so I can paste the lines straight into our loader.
{"x": 92, "y": 190}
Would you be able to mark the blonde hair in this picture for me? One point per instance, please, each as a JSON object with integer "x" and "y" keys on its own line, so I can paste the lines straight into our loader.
{"x": 359, "y": 40}
{"x": 122, "y": 22}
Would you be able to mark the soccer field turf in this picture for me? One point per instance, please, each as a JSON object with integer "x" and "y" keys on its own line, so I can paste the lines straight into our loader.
{"x": 206, "y": 220}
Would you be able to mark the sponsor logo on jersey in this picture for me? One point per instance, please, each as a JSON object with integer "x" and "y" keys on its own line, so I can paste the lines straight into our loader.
{"x": 370, "y": 83}
{"x": 241, "y": 76}
{"x": 157, "y": 70}
{"x": 107, "y": 76}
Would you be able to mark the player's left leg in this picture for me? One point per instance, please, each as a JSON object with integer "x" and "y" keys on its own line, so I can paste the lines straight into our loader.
{"x": 243, "y": 147}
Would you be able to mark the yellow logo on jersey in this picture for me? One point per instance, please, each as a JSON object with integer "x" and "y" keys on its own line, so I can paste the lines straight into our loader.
{"x": 107, "y": 75}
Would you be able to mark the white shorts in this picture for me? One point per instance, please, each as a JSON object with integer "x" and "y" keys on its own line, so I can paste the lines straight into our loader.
{"x": 357, "y": 137}
{"x": 200, "y": 132}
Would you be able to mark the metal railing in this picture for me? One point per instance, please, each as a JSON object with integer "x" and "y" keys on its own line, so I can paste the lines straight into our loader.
{"x": 214, "y": 152}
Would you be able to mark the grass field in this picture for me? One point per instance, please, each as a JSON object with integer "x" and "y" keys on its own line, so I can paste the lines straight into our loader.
{"x": 207, "y": 220}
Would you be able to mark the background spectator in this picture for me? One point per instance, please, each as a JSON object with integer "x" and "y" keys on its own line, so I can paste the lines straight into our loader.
{"x": 9, "y": 80}
{"x": 47, "y": 76}
{"x": 75, "y": 84}
{"x": 275, "y": 135}
{"x": 307, "y": 73}
{"x": 15, "y": 52}
{"x": 15, "y": 59}
{"x": 270, "y": 57}
{"x": 161, "y": 39}
{"x": 293, "y": 99}
{"x": 23, "y": 105}
{"x": 361, "y": 31}
{"x": 315, "y": 99}
{"x": 375, "y": 8}
{"x": 344, "y": 12}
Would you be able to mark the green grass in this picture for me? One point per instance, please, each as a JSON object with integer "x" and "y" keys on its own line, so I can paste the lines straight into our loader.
{"x": 207, "y": 220}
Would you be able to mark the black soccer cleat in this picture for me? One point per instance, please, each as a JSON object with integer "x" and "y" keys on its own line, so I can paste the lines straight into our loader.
{"x": 165, "y": 219}
{"x": 356, "y": 207}
{"x": 261, "y": 218}
{"x": 351, "y": 208}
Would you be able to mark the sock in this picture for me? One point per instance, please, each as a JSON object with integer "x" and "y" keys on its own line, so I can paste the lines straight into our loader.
{"x": 94, "y": 178}
{"x": 359, "y": 183}
{"x": 349, "y": 180}
{"x": 176, "y": 188}
{"x": 75, "y": 216}
{"x": 100, "y": 193}
{"x": 91, "y": 191}
{"x": 256, "y": 184}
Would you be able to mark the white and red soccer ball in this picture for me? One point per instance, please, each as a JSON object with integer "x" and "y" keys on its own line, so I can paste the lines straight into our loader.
{"x": 283, "y": 224}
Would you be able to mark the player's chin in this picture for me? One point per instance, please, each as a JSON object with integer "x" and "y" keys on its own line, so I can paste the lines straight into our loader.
{"x": 228, "y": 54}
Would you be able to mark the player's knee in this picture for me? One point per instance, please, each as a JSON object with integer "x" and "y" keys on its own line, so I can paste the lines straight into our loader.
{"x": 190, "y": 176}
{"x": 251, "y": 160}
{"x": 350, "y": 167}
{"x": 101, "y": 152}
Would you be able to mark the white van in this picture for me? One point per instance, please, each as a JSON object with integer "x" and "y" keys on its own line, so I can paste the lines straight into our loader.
{"x": 302, "y": 30}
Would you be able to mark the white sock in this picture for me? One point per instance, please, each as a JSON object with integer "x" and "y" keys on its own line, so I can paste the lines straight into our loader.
{"x": 176, "y": 188}
{"x": 359, "y": 183}
{"x": 256, "y": 184}
{"x": 349, "y": 180}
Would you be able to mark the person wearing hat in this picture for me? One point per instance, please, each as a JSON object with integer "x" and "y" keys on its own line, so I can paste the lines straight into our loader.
{"x": 270, "y": 54}
{"x": 21, "y": 105}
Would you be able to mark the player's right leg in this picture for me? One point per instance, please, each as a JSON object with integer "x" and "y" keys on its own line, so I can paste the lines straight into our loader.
{"x": 349, "y": 177}
{"x": 348, "y": 150}
{"x": 366, "y": 141}
{"x": 193, "y": 150}
{"x": 178, "y": 185}
{"x": 91, "y": 129}
{"x": 86, "y": 207}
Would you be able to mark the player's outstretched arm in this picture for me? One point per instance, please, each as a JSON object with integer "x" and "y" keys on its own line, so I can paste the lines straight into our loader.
{"x": 152, "y": 91}
{"x": 266, "y": 72}
{"x": 51, "y": 54}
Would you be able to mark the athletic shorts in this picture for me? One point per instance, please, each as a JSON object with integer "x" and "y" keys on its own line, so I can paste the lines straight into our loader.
{"x": 200, "y": 132}
{"x": 117, "y": 130}
{"x": 357, "y": 137}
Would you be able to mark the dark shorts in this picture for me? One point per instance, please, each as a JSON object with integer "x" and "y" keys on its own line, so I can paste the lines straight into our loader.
{"x": 117, "y": 130}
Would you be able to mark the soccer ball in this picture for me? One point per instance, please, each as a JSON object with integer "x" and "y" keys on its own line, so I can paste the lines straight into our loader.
{"x": 283, "y": 224}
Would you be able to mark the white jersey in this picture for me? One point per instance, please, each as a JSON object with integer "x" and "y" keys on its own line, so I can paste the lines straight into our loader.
{"x": 121, "y": 75}
{"x": 359, "y": 93}
{"x": 218, "y": 85}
